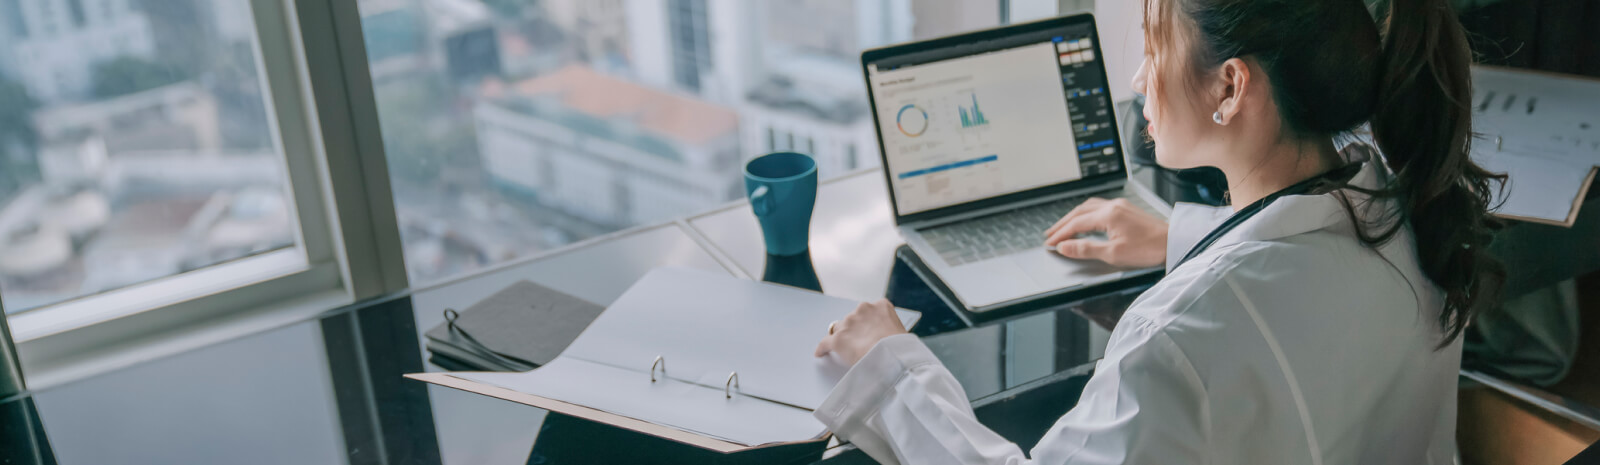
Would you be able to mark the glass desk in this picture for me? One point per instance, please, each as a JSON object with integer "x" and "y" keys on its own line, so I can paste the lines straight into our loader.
{"x": 329, "y": 390}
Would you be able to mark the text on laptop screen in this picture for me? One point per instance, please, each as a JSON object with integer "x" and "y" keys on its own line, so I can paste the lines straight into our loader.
{"x": 962, "y": 127}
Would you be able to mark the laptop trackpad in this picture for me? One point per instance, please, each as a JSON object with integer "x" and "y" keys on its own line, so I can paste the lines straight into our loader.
{"x": 1054, "y": 271}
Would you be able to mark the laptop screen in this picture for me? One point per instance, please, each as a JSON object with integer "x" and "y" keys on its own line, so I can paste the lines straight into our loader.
{"x": 996, "y": 115}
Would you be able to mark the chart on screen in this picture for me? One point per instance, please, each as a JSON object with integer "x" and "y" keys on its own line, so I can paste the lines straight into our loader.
{"x": 974, "y": 127}
{"x": 947, "y": 139}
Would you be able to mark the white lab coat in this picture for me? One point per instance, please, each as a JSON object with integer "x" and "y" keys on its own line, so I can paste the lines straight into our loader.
{"x": 1286, "y": 342}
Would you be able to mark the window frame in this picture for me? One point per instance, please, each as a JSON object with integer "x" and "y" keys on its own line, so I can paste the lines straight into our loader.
{"x": 324, "y": 123}
{"x": 313, "y": 61}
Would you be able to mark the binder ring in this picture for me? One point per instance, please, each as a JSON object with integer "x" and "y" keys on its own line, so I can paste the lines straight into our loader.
{"x": 450, "y": 316}
{"x": 733, "y": 380}
{"x": 662, "y": 362}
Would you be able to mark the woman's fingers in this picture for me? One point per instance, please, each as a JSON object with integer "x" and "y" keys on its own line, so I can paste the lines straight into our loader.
{"x": 839, "y": 327}
{"x": 1086, "y": 223}
{"x": 1086, "y": 249}
{"x": 860, "y": 330}
{"x": 1088, "y": 205}
{"x": 825, "y": 346}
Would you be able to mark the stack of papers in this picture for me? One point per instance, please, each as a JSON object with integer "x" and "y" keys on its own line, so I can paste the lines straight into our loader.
{"x": 1543, "y": 131}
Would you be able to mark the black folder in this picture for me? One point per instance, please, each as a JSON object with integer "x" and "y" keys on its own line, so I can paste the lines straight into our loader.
{"x": 517, "y": 329}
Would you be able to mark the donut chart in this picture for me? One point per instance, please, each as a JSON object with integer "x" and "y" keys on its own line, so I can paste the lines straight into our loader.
{"x": 912, "y": 120}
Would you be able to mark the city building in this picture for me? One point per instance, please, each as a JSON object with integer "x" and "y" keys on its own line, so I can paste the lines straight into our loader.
{"x": 100, "y": 222}
{"x": 408, "y": 37}
{"x": 795, "y": 81}
{"x": 182, "y": 116}
{"x": 12, "y": 29}
{"x": 709, "y": 48}
{"x": 814, "y": 105}
{"x": 851, "y": 25}
{"x": 59, "y": 42}
{"x": 608, "y": 151}
{"x": 597, "y": 30}
{"x": 941, "y": 17}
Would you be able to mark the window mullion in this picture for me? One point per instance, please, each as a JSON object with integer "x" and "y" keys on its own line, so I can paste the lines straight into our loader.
{"x": 355, "y": 169}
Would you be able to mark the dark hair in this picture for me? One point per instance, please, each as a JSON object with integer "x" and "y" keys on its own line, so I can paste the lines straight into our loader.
{"x": 1331, "y": 70}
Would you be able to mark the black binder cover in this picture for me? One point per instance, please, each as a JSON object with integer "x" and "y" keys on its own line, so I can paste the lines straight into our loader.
{"x": 525, "y": 322}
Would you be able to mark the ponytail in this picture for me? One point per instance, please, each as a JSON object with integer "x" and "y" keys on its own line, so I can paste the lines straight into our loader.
{"x": 1409, "y": 77}
{"x": 1423, "y": 126}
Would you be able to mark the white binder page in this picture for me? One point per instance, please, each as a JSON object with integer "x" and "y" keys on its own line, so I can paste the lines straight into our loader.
{"x": 706, "y": 326}
{"x": 697, "y": 409}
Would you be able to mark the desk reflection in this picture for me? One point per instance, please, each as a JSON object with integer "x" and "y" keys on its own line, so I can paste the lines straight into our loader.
{"x": 792, "y": 270}
{"x": 22, "y": 436}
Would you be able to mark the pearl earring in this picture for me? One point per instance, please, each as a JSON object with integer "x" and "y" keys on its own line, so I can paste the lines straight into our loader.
{"x": 1217, "y": 117}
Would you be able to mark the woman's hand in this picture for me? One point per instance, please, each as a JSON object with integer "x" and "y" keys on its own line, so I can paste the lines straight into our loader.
{"x": 856, "y": 334}
{"x": 1134, "y": 238}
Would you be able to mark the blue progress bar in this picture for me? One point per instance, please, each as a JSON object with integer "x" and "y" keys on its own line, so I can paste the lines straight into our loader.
{"x": 1095, "y": 145}
{"x": 948, "y": 166}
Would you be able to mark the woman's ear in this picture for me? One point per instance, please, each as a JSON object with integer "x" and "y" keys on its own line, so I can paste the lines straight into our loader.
{"x": 1234, "y": 86}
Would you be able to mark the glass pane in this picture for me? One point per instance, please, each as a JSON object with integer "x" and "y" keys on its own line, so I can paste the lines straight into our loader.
{"x": 514, "y": 126}
{"x": 135, "y": 144}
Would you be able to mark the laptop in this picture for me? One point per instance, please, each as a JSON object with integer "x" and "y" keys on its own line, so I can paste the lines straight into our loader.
{"x": 987, "y": 139}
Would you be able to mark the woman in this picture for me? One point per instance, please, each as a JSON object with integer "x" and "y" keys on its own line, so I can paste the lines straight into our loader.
{"x": 1315, "y": 321}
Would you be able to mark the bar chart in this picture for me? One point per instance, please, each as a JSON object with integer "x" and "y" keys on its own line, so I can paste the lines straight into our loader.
{"x": 971, "y": 118}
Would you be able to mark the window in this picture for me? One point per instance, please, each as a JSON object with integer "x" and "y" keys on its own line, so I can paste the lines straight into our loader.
{"x": 691, "y": 48}
{"x": 128, "y": 164}
{"x": 188, "y": 185}
{"x": 582, "y": 117}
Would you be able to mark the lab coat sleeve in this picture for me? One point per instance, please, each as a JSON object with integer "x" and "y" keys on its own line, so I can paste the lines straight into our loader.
{"x": 1143, "y": 405}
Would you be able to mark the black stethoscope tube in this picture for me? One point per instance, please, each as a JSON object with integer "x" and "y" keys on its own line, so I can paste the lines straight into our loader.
{"x": 1335, "y": 175}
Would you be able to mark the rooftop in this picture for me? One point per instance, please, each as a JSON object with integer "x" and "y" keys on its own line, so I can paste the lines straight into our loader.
{"x": 653, "y": 112}
{"x": 817, "y": 86}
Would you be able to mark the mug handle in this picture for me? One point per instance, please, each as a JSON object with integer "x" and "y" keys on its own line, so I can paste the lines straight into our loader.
{"x": 761, "y": 200}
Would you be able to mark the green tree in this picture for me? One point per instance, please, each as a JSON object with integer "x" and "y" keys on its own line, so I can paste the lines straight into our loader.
{"x": 19, "y": 141}
{"x": 126, "y": 75}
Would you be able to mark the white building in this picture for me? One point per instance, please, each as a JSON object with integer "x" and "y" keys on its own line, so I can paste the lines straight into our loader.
{"x": 609, "y": 151}
{"x": 597, "y": 28}
{"x": 813, "y": 105}
{"x": 60, "y": 41}
{"x": 790, "y": 67}
{"x": 182, "y": 116}
{"x": 709, "y": 48}
{"x": 838, "y": 28}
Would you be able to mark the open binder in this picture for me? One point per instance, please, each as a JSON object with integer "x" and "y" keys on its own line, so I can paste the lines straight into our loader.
{"x": 700, "y": 358}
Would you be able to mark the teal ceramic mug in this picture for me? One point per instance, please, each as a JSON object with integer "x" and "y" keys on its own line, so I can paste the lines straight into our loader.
{"x": 783, "y": 189}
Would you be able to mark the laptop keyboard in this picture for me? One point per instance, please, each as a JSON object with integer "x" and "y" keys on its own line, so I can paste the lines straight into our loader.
{"x": 1001, "y": 233}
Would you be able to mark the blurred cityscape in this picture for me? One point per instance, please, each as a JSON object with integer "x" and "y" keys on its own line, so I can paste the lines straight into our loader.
{"x": 136, "y": 142}
{"x": 514, "y": 126}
